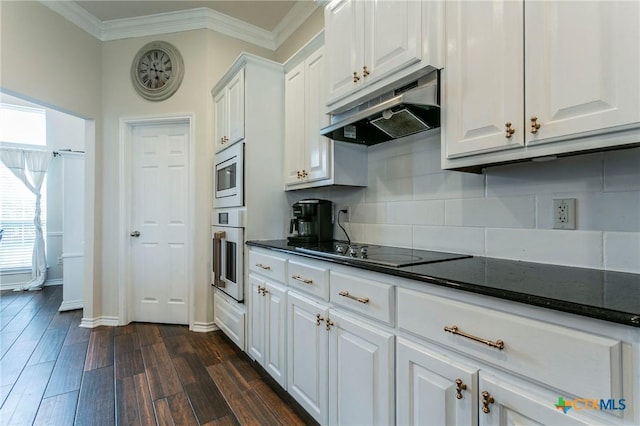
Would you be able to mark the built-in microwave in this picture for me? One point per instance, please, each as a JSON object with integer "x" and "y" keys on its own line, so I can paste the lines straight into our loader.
{"x": 228, "y": 177}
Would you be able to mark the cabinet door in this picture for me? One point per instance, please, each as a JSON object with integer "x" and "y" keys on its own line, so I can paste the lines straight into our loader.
{"x": 393, "y": 36}
{"x": 483, "y": 79}
{"x": 308, "y": 349}
{"x": 294, "y": 124}
{"x": 344, "y": 46}
{"x": 235, "y": 93}
{"x": 427, "y": 388}
{"x": 361, "y": 373}
{"x": 276, "y": 339}
{"x": 220, "y": 119}
{"x": 257, "y": 326}
{"x": 582, "y": 66}
{"x": 317, "y": 147}
{"x": 514, "y": 405}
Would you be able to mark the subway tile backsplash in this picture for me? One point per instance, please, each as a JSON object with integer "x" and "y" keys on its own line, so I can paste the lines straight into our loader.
{"x": 505, "y": 212}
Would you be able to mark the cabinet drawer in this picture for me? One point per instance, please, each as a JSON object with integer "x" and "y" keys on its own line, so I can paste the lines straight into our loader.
{"x": 309, "y": 278}
{"x": 365, "y": 296}
{"x": 269, "y": 266}
{"x": 229, "y": 317}
{"x": 577, "y": 362}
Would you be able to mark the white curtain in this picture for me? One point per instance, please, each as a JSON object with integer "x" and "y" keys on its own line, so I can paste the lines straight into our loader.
{"x": 31, "y": 168}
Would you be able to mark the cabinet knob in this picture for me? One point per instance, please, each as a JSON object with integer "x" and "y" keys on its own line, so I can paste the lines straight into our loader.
{"x": 460, "y": 386}
{"x": 534, "y": 125}
{"x": 365, "y": 71}
{"x": 486, "y": 400}
{"x": 509, "y": 131}
{"x": 319, "y": 319}
{"x": 304, "y": 174}
{"x": 329, "y": 324}
{"x": 356, "y": 77}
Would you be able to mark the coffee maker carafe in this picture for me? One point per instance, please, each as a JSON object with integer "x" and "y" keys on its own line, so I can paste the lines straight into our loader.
{"x": 312, "y": 221}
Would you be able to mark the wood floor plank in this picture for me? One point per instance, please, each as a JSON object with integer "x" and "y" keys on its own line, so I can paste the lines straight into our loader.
{"x": 48, "y": 346}
{"x": 236, "y": 398}
{"x": 229, "y": 420}
{"x": 282, "y": 411}
{"x": 145, "y": 404}
{"x": 189, "y": 368}
{"x": 127, "y": 402}
{"x": 177, "y": 345}
{"x": 206, "y": 400}
{"x": 29, "y": 387}
{"x": 100, "y": 350}
{"x": 171, "y": 330}
{"x": 127, "y": 342}
{"x": 77, "y": 334}
{"x": 96, "y": 402}
{"x": 15, "y": 359}
{"x": 62, "y": 320}
{"x": 128, "y": 364}
{"x": 67, "y": 373}
{"x": 181, "y": 411}
{"x": 125, "y": 329}
{"x": 8, "y": 339}
{"x": 57, "y": 410}
{"x": 148, "y": 334}
{"x": 162, "y": 376}
{"x": 163, "y": 412}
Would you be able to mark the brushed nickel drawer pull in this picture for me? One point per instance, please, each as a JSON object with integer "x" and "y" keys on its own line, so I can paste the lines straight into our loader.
{"x": 265, "y": 267}
{"x": 350, "y": 296}
{"x": 299, "y": 278}
{"x": 455, "y": 330}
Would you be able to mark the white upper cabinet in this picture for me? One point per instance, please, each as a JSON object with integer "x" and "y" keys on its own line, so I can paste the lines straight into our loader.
{"x": 484, "y": 76}
{"x": 229, "y": 112}
{"x": 373, "y": 43}
{"x": 307, "y": 153}
{"x": 582, "y": 67}
{"x": 520, "y": 75}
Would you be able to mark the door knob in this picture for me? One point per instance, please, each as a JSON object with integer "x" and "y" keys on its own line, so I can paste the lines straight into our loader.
{"x": 135, "y": 234}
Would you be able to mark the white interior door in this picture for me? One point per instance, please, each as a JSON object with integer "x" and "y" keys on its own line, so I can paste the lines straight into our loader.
{"x": 159, "y": 215}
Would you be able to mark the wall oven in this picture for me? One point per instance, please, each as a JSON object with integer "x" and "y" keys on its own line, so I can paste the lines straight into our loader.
{"x": 227, "y": 230}
{"x": 228, "y": 177}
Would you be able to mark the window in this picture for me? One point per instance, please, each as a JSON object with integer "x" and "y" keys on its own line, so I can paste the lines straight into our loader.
{"x": 19, "y": 126}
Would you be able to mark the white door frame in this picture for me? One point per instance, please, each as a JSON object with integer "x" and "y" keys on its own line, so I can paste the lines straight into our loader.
{"x": 127, "y": 125}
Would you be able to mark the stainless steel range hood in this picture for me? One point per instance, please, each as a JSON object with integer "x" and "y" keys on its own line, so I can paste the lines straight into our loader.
{"x": 410, "y": 109}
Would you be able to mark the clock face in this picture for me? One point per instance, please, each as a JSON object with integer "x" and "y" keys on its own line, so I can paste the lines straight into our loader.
{"x": 157, "y": 71}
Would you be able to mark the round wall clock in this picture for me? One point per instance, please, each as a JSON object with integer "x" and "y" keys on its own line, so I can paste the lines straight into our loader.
{"x": 157, "y": 71}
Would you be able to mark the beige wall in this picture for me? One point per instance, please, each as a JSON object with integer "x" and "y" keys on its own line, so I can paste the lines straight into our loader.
{"x": 207, "y": 55}
{"x": 47, "y": 59}
{"x": 312, "y": 26}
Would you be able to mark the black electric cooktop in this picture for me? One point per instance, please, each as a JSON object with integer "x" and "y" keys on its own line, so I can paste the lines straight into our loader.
{"x": 396, "y": 257}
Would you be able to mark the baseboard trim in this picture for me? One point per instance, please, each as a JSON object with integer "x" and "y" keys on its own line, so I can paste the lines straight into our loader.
{"x": 204, "y": 327}
{"x": 57, "y": 281}
{"x": 97, "y": 322}
{"x": 71, "y": 305}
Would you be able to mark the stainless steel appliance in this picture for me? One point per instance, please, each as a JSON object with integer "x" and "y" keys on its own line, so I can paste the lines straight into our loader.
{"x": 312, "y": 221}
{"x": 412, "y": 108}
{"x": 228, "y": 177}
{"x": 227, "y": 230}
{"x": 395, "y": 257}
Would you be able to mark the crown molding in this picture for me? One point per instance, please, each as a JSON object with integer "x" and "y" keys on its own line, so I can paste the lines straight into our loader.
{"x": 76, "y": 15}
{"x": 298, "y": 14}
{"x": 186, "y": 20}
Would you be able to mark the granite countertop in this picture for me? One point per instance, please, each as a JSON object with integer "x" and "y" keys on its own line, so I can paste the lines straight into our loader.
{"x": 605, "y": 295}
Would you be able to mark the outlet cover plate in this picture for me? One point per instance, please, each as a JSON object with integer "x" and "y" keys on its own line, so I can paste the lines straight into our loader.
{"x": 564, "y": 213}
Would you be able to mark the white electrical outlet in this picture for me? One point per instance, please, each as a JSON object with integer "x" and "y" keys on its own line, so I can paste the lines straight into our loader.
{"x": 564, "y": 213}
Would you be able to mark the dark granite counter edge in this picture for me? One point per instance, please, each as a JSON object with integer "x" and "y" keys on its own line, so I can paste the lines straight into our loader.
{"x": 528, "y": 299}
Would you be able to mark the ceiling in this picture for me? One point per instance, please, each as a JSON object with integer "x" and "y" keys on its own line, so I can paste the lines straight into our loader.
{"x": 265, "y": 14}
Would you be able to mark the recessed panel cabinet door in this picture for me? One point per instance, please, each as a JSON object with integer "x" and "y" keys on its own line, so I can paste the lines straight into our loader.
{"x": 483, "y": 80}
{"x": 220, "y": 119}
{"x": 318, "y": 147}
{"x": 235, "y": 93}
{"x": 307, "y": 374}
{"x": 582, "y": 66}
{"x": 344, "y": 33}
{"x": 393, "y": 36}
{"x": 428, "y": 388}
{"x": 508, "y": 404}
{"x": 294, "y": 126}
{"x": 276, "y": 322}
{"x": 257, "y": 327}
{"x": 361, "y": 373}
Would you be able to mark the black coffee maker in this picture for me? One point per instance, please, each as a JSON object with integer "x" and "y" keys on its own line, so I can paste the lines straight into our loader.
{"x": 312, "y": 221}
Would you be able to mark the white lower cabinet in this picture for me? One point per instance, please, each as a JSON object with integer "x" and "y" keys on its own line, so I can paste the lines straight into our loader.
{"x": 229, "y": 316}
{"x": 268, "y": 319}
{"x": 433, "y": 388}
{"x": 341, "y": 369}
{"x": 308, "y": 381}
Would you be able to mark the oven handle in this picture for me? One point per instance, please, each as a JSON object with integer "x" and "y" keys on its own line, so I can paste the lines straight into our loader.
{"x": 218, "y": 237}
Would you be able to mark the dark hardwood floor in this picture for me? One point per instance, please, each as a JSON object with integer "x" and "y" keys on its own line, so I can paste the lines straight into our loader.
{"x": 52, "y": 372}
